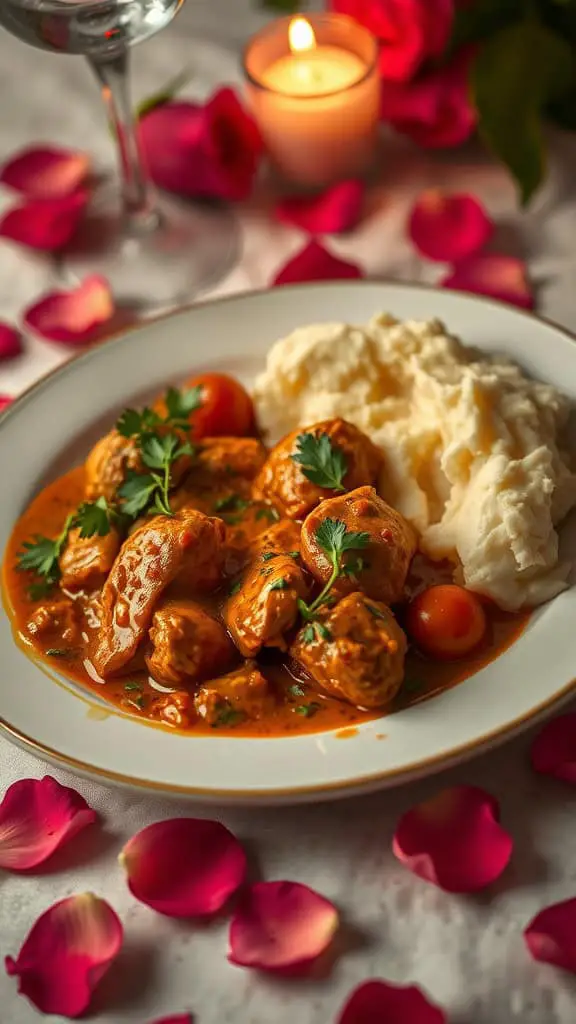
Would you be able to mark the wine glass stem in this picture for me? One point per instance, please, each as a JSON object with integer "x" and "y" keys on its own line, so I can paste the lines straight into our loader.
{"x": 138, "y": 199}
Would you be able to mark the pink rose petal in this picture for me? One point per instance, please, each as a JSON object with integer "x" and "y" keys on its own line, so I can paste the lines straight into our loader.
{"x": 212, "y": 150}
{"x": 449, "y": 228}
{"x": 184, "y": 867}
{"x": 10, "y": 342}
{"x": 315, "y": 263}
{"x": 379, "y": 1002}
{"x": 499, "y": 277}
{"x": 66, "y": 953}
{"x": 551, "y": 935}
{"x": 45, "y": 224}
{"x": 37, "y": 816}
{"x": 45, "y": 172}
{"x": 454, "y": 840}
{"x": 435, "y": 109}
{"x": 5, "y": 401}
{"x": 73, "y": 317}
{"x": 553, "y": 750}
{"x": 333, "y": 212}
{"x": 280, "y": 925}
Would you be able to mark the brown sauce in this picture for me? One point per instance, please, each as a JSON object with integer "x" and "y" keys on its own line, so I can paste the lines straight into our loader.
{"x": 298, "y": 708}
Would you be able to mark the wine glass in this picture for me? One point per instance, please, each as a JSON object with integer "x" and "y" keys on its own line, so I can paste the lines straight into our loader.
{"x": 154, "y": 250}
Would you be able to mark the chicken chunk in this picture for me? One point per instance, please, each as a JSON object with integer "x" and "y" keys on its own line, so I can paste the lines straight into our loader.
{"x": 231, "y": 456}
{"x": 383, "y": 562}
{"x": 188, "y": 645}
{"x": 108, "y": 463}
{"x": 355, "y": 653}
{"x": 283, "y": 537}
{"x": 187, "y": 545}
{"x": 175, "y": 709}
{"x": 283, "y": 480}
{"x": 55, "y": 621}
{"x": 221, "y": 475}
{"x": 86, "y": 561}
{"x": 265, "y": 606}
{"x": 231, "y": 699}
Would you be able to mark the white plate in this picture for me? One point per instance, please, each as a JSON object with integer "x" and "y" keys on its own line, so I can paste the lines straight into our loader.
{"x": 38, "y": 439}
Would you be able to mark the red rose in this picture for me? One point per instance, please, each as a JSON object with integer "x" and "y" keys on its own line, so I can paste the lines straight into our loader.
{"x": 212, "y": 150}
{"x": 435, "y": 110}
{"x": 409, "y": 31}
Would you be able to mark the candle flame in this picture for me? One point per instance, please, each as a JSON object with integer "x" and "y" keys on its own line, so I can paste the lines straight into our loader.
{"x": 301, "y": 35}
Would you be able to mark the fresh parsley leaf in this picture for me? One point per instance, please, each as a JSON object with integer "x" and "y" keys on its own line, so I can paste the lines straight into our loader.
{"x": 267, "y": 555}
{"x": 309, "y": 634}
{"x": 95, "y": 518}
{"x": 279, "y": 584}
{"x": 180, "y": 403}
{"x": 231, "y": 503}
{"x": 235, "y": 588}
{"x": 227, "y": 715}
{"x": 322, "y": 462}
{"x": 40, "y": 556}
{"x": 307, "y": 710}
{"x": 157, "y": 449}
{"x": 294, "y": 554}
{"x": 36, "y": 591}
{"x": 268, "y": 513}
{"x": 295, "y": 690}
{"x": 354, "y": 567}
{"x": 135, "y": 493}
{"x": 132, "y": 422}
{"x": 315, "y": 631}
{"x": 334, "y": 538}
{"x": 132, "y": 686}
{"x": 136, "y": 702}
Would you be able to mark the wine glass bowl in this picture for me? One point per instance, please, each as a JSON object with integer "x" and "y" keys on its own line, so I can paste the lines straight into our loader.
{"x": 154, "y": 250}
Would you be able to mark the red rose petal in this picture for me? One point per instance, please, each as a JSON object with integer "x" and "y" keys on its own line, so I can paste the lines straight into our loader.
{"x": 551, "y": 935}
{"x": 499, "y": 277}
{"x": 449, "y": 228}
{"x": 72, "y": 317}
{"x": 68, "y": 950}
{"x": 379, "y": 1002}
{"x": 435, "y": 109}
{"x": 184, "y": 867}
{"x": 45, "y": 172}
{"x": 315, "y": 263}
{"x": 280, "y": 925}
{"x": 45, "y": 224}
{"x": 36, "y": 817}
{"x": 180, "y": 1018}
{"x": 553, "y": 751}
{"x": 5, "y": 401}
{"x": 10, "y": 342}
{"x": 333, "y": 212}
{"x": 454, "y": 840}
{"x": 212, "y": 150}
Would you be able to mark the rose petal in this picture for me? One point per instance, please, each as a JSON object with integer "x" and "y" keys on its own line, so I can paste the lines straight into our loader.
{"x": 68, "y": 950}
{"x": 36, "y": 817}
{"x": 45, "y": 224}
{"x": 435, "y": 109}
{"x": 10, "y": 342}
{"x": 551, "y": 935}
{"x": 379, "y": 1002}
{"x": 334, "y": 211}
{"x": 5, "y": 401}
{"x": 449, "y": 228}
{"x": 454, "y": 840}
{"x": 315, "y": 263}
{"x": 72, "y": 317}
{"x": 279, "y": 925}
{"x": 180, "y": 1018}
{"x": 212, "y": 150}
{"x": 45, "y": 172}
{"x": 499, "y": 277}
{"x": 184, "y": 867}
{"x": 553, "y": 751}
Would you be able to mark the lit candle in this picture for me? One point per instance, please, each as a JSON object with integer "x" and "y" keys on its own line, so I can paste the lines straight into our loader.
{"x": 314, "y": 90}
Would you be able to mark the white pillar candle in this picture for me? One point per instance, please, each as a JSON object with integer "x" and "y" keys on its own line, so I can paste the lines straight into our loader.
{"x": 314, "y": 90}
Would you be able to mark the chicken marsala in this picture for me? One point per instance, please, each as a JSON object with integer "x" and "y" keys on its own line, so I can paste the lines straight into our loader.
{"x": 215, "y": 585}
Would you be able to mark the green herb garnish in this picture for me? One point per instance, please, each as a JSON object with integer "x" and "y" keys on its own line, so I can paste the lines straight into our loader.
{"x": 294, "y": 554}
{"x": 179, "y": 404}
{"x": 59, "y": 652}
{"x": 267, "y": 555}
{"x": 226, "y": 715}
{"x": 150, "y": 491}
{"x": 268, "y": 513}
{"x": 295, "y": 690}
{"x": 235, "y": 588}
{"x": 136, "y": 702}
{"x": 321, "y": 461}
{"x": 231, "y": 503}
{"x": 307, "y": 710}
{"x": 335, "y": 540}
{"x": 132, "y": 686}
{"x": 279, "y": 584}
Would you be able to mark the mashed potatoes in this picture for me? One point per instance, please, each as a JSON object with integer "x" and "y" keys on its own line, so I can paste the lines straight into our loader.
{"x": 471, "y": 445}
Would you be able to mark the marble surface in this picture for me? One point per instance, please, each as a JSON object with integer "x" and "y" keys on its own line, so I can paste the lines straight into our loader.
{"x": 467, "y": 953}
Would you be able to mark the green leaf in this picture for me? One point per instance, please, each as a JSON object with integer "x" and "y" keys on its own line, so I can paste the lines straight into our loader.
{"x": 268, "y": 513}
{"x": 136, "y": 492}
{"x": 295, "y": 690}
{"x": 38, "y": 555}
{"x": 94, "y": 518}
{"x": 307, "y": 710}
{"x": 129, "y": 423}
{"x": 334, "y": 538}
{"x": 481, "y": 19}
{"x": 157, "y": 449}
{"x": 180, "y": 403}
{"x": 516, "y": 73}
{"x": 231, "y": 503}
{"x": 322, "y": 462}
{"x": 279, "y": 584}
{"x": 165, "y": 94}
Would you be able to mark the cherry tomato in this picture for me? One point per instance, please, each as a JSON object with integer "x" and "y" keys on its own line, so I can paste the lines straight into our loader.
{"x": 446, "y": 621}
{"x": 226, "y": 408}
